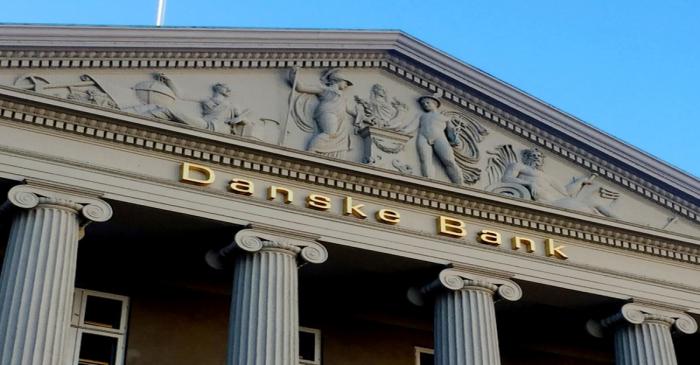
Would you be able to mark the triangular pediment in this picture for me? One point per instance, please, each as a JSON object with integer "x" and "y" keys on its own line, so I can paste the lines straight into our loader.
{"x": 381, "y": 99}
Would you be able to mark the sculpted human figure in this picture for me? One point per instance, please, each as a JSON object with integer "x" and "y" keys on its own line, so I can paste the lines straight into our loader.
{"x": 579, "y": 194}
{"x": 330, "y": 113}
{"x": 220, "y": 114}
{"x": 161, "y": 99}
{"x": 379, "y": 110}
{"x": 436, "y": 135}
{"x": 529, "y": 174}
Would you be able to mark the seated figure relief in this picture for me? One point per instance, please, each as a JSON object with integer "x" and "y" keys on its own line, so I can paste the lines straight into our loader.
{"x": 452, "y": 137}
{"x": 162, "y": 99}
{"x": 528, "y": 180}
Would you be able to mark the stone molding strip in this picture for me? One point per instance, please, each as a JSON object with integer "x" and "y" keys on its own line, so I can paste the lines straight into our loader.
{"x": 240, "y": 157}
{"x": 226, "y": 58}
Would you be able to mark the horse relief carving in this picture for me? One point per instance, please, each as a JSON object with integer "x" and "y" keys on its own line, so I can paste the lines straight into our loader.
{"x": 527, "y": 179}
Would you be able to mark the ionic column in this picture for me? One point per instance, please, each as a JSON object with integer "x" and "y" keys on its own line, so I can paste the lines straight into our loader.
{"x": 642, "y": 333}
{"x": 264, "y": 319}
{"x": 38, "y": 272}
{"x": 464, "y": 316}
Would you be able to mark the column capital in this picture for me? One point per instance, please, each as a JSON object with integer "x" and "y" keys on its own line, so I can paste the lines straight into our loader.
{"x": 462, "y": 278}
{"x": 34, "y": 194}
{"x": 257, "y": 238}
{"x": 641, "y": 312}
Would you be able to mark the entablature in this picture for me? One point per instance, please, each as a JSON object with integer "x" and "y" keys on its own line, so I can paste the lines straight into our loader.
{"x": 118, "y": 130}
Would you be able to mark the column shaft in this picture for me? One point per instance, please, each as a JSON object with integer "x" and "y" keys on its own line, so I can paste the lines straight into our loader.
{"x": 264, "y": 320}
{"x": 36, "y": 285}
{"x": 648, "y": 343}
{"x": 465, "y": 328}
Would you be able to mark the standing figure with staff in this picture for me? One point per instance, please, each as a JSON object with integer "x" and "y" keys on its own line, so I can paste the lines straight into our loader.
{"x": 323, "y": 109}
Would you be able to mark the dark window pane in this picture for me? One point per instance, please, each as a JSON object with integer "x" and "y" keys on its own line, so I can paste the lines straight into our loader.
{"x": 97, "y": 350}
{"x": 103, "y": 312}
{"x": 426, "y": 359}
{"x": 307, "y": 343}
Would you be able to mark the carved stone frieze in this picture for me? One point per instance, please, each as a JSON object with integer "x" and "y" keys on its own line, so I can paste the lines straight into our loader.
{"x": 323, "y": 111}
{"x": 382, "y": 146}
{"x": 230, "y": 154}
{"x": 528, "y": 180}
{"x": 450, "y": 136}
{"x": 226, "y": 58}
{"x": 88, "y": 90}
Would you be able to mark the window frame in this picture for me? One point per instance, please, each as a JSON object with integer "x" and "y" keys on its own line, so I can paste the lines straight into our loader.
{"x": 422, "y": 350}
{"x": 317, "y": 346}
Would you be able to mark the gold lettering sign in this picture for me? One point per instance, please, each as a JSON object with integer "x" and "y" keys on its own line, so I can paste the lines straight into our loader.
{"x": 240, "y": 186}
{"x": 518, "y": 241}
{"x": 186, "y": 174}
{"x": 318, "y": 202}
{"x": 354, "y": 210}
{"x": 388, "y": 216}
{"x": 287, "y": 195}
{"x": 451, "y": 227}
{"x": 550, "y": 250}
{"x": 489, "y": 237}
{"x": 446, "y": 226}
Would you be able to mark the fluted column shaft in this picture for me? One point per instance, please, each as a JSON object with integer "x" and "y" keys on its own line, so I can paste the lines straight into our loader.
{"x": 465, "y": 327}
{"x": 642, "y": 333}
{"x": 38, "y": 275}
{"x": 464, "y": 315}
{"x": 648, "y": 343}
{"x": 264, "y": 318}
{"x": 264, "y": 309}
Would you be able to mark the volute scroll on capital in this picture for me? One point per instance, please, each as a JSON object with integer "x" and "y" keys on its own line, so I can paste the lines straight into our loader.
{"x": 458, "y": 279}
{"x": 253, "y": 240}
{"x": 637, "y": 313}
{"x": 30, "y": 196}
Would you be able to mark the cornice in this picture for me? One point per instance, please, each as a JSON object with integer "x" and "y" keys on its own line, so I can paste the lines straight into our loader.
{"x": 116, "y": 128}
{"x": 392, "y": 51}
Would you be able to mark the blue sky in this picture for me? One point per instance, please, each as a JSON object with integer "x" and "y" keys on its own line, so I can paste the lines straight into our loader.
{"x": 630, "y": 68}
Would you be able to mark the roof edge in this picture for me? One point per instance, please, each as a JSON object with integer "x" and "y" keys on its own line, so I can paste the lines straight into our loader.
{"x": 64, "y": 36}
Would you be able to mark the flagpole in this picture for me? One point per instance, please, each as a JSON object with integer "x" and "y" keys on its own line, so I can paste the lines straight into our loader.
{"x": 160, "y": 18}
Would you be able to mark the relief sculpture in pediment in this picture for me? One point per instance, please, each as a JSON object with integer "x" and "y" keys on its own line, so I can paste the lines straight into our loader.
{"x": 452, "y": 137}
{"x": 322, "y": 110}
{"x": 161, "y": 98}
{"x": 527, "y": 179}
{"x": 88, "y": 90}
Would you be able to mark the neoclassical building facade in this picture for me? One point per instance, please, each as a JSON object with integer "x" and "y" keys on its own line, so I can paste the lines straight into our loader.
{"x": 279, "y": 197}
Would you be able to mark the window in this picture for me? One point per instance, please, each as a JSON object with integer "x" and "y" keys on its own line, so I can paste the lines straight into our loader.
{"x": 424, "y": 356}
{"x": 97, "y": 330}
{"x": 309, "y": 346}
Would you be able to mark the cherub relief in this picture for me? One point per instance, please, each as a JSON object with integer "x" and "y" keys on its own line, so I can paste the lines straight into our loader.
{"x": 324, "y": 109}
{"x": 528, "y": 180}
